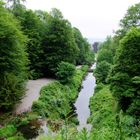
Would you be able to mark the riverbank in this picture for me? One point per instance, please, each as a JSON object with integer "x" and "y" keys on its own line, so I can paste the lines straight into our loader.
{"x": 102, "y": 106}
{"x": 56, "y": 101}
{"x": 54, "y": 106}
{"x": 32, "y": 94}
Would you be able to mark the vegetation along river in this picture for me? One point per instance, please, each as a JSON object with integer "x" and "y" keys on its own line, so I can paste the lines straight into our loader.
{"x": 82, "y": 102}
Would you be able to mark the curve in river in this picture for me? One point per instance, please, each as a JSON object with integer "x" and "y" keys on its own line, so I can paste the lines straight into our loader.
{"x": 32, "y": 94}
{"x": 82, "y": 102}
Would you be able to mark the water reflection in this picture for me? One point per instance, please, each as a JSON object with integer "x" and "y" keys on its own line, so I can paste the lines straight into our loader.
{"x": 82, "y": 102}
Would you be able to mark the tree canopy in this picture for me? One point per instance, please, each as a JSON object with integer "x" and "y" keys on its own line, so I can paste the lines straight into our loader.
{"x": 125, "y": 72}
{"x": 13, "y": 60}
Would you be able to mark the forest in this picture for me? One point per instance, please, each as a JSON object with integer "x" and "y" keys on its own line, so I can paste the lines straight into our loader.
{"x": 40, "y": 44}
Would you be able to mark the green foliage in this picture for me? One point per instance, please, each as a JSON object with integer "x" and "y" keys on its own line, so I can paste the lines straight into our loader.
{"x": 11, "y": 91}
{"x": 21, "y": 127}
{"x": 51, "y": 39}
{"x": 107, "y": 50}
{"x": 104, "y": 60}
{"x": 34, "y": 27}
{"x": 124, "y": 79}
{"x": 7, "y": 131}
{"x": 85, "y": 55}
{"x": 105, "y": 55}
{"x": 13, "y": 60}
{"x": 83, "y": 135}
{"x": 77, "y": 79}
{"x": 131, "y": 19}
{"x": 124, "y": 76}
{"x": 101, "y": 71}
{"x": 59, "y": 43}
{"x": 56, "y": 99}
{"x": 107, "y": 123}
{"x": 65, "y": 72}
{"x": 53, "y": 101}
{"x": 98, "y": 87}
{"x": 102, "y": 116}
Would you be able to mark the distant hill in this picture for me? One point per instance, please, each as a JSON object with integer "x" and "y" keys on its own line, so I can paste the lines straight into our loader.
{"x": 92, "y": 40}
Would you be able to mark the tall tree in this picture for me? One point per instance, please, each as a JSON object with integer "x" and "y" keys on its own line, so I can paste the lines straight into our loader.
{"x": 131, "y": 19}
{"x": 59, "y": 43}
{"x": 125, "y": 73}
{"x": 13, "y": 60}
{"x": 85, "y": 55}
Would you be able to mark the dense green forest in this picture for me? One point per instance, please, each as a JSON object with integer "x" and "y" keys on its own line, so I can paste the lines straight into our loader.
{"x": 116, "y": 103}
{"x": 32, "y": 45}
{"x": 38, "y": 44}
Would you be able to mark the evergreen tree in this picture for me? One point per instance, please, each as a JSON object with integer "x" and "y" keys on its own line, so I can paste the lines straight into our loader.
{"x": 59, "y": 43}
{"x": 13, "y": 60}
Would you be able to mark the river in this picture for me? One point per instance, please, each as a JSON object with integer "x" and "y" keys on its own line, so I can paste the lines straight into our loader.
{"x": 82, "y": 102}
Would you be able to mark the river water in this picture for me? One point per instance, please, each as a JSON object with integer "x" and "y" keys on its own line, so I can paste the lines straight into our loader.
{"x": 82, "y": 102}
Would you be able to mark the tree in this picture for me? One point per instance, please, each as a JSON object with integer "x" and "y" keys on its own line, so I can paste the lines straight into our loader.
{"x": 85, "y": 55}
{"x": 105, "y": 55}
{"x": 13, "y": 60}
{"x": 33, "y": 25}
{"x": 131, "y": 19}
{"x": 65, "y": 72}
{"x": 107, "y": 50}
{"x": 59, "y": 43}
{"x": 124, "y": 77}
{"x": 34, "y": 28}
{"x": 101, "y": 71}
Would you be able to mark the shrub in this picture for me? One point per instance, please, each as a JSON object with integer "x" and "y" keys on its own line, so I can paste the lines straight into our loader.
{"x": 102, "y": 116}
{"x": 65, "y": 72}
{"x": 101, "y": 71}
{"x": 7, "y": 131}
{"x": 105, "y": 55}
{"x": 11, "y": 90}
{"x": 56, "y": 99}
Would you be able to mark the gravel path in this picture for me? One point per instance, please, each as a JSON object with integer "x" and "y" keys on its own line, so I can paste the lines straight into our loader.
{"x": 32, "y": 94}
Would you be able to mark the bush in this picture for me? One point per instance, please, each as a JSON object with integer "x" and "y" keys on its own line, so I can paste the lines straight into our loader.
{"x": 98, "y": 87}
{"x": 101, "y": 71}
{"x": 7, "y": 131}
{"x": 102, "y": 116}
{"x": 11, "y": 90}
{"x": 105, "y": 55}
{"x": 65, "y": 72}
{"x": 56, "y": 99}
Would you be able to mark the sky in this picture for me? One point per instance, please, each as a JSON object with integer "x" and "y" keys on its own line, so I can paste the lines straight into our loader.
{"x": 94, "y": 18}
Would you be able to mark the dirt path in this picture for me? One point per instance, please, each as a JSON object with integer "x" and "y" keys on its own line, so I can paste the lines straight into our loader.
{"x": 32, "y": 94}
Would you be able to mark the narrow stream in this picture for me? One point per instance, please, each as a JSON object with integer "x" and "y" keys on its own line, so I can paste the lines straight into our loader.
{"x": 82, "y": 102}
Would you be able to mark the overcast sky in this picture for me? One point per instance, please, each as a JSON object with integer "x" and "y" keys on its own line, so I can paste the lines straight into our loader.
{"x": 94, "y": 18}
